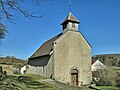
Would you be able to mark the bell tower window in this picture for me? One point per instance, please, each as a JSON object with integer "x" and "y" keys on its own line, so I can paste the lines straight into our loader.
{"x": 73, "y": 25}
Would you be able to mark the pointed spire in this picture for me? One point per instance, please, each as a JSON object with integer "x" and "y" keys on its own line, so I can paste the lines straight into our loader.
{"x": 70, "y": 18}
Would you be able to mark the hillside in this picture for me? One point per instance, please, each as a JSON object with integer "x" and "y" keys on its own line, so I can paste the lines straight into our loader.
{"x": 11, "y": 60}
{"x": 36, "y": 82}
{"x": 33, "y": 82}
{"x": 11, "y": 64}
{"x": 113, "y": 59}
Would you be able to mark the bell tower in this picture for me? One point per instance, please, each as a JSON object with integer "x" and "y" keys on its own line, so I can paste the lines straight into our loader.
{"x": 70, "y": 23}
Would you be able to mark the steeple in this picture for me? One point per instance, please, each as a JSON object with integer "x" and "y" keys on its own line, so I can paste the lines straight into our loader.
{"x": 70, "y": 23}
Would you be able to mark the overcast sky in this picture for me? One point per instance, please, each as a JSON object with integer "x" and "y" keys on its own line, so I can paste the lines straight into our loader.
{"x": 100, "y": 24}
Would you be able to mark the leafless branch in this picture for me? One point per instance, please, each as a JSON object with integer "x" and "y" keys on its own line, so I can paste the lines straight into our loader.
{"x": 2, "y": 31}
{"x": 7, "y": 8}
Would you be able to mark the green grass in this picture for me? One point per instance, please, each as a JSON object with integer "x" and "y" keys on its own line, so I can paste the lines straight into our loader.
{"x": 31, "y": 82}
{"x": 33, "y": 76}
{"x": 117, "y": 69}
{"x": 108, "y": 88}
{"x": 23, "y": 82}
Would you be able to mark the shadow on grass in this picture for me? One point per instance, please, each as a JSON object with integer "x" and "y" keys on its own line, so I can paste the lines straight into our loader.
{"x": 9, "y": 82}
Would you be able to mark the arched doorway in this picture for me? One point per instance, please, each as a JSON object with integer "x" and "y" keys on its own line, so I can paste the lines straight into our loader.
{"x": 74, "y": 77}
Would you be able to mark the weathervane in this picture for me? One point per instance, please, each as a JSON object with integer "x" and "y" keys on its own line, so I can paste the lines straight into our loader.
{"x": 70, "y": 5}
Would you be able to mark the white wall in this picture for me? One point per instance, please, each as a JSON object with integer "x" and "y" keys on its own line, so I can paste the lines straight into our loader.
{"x": 97, "y": 65}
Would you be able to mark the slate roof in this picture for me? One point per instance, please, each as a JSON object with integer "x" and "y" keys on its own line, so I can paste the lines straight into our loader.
{"x": 70, "y": 17}
{"x": 46, "y": 48}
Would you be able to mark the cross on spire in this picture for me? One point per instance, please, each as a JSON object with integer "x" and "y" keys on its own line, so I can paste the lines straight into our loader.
{"x": 70, "y": 5}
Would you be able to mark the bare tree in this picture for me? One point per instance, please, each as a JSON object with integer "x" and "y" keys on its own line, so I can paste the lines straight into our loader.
{"x": 2, "y": 31}
{"x": 107, "y": 76}
{"x": 8, "y": 9}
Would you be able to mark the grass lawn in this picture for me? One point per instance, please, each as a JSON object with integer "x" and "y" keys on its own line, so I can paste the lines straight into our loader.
{"x": 108, "y": 88}
{"x": 23, "y": 82}
{"x": 117, "y": 69}
{"x": 32, "y": 82}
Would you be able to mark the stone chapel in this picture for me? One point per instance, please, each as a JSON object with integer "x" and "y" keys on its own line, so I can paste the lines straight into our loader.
{"x": 66, "y": 57}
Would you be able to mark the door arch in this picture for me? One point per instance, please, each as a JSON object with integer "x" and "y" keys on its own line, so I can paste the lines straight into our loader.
{"x": 74, "y": 77}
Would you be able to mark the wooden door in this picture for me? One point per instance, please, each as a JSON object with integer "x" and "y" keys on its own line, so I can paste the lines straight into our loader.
{"x": 74, "y": 78}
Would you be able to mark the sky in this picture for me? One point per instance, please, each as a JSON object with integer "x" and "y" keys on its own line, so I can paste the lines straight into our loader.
{"x": 100, "y": 25}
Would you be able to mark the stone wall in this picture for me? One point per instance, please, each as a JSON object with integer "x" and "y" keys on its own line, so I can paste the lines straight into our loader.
{"x": 42, "y": 66}
{"x": 72, "y": 51}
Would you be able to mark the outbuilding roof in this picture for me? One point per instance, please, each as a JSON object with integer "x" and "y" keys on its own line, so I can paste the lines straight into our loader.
{"x": 93, "y": 61}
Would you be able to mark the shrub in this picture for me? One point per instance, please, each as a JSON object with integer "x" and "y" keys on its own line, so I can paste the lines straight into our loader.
{"x": 16, "y": 71}
{"x": 104, "y": 82}
{"x": 118, "y": 82}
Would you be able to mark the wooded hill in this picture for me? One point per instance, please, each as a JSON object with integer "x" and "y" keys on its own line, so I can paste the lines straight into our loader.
{"x": 108, "y": 59}
{"x": 113, "y": 59}
{"x": 10, "y": 60}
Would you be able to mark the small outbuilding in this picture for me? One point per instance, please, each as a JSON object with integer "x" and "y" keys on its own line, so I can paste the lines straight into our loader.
{"x": 23, "y": 69}
{"x": 97, "y": 67}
